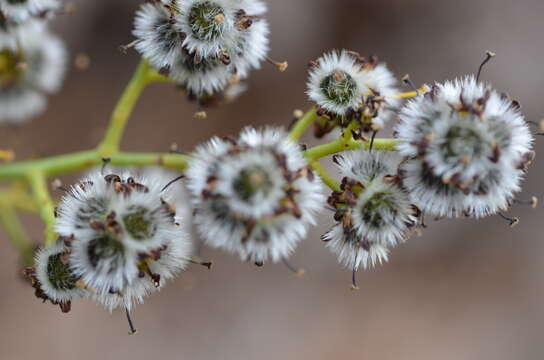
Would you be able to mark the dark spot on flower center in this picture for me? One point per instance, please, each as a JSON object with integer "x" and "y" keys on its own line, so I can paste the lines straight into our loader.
{"x": 105, "y": 246}
{"x": 374, "y": 209}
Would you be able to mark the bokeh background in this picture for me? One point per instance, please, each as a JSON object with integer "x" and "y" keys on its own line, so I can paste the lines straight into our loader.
{"x": 464, "y": 290}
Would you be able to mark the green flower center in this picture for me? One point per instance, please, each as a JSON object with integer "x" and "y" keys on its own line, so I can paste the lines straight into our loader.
{"x": 104, "y": 247}
{"x": 464, "y": 142}
{"x": 251, "y": 182}
{"x": 9, "y": 69}
{"x": 139, "y": 224}
{"x": 206, "y": 20}
{"x": 59, "y": 273}
{"x": 17, "y": 1}
{"x": 374, "y": 209}
{"x": 339, "y": 87}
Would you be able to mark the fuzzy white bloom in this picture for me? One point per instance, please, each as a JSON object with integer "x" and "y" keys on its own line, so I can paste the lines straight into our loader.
{"x": 20, "y": 11}
{"x": 159, "y": 41}
{"x": 126, "y": 237}
{"x": 174, "y": 256}
{"x": 336, "y": 83}
{"x": 203, "y": 44}
{"x": 470, "y": 146}
{"x": 32, "y": 65}
{"x": 373, "y": 211}
{"x": 351, "y": 252}
{"x": 56, "y": 279}
{"x": 344, "y": 82}
{"x": 255, "y": 195}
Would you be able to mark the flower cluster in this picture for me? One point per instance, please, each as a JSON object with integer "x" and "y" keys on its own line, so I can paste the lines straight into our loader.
{"x": 468, "y": 148}
{"x": 255, "y": 195}
{"x": 460, "y": 148}
{"x": 120, "y": 240}
{"x": 32, "y": 59}
{"x": 372, "y": 209}
{"x": 203, "y": 45}
{"x": 346, "y": 86}
{"x": 463, "y": 149}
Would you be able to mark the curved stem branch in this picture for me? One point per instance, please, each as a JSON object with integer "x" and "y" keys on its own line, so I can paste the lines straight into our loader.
{"x": 302, "y": 124}
{"x": 70, "y": 163}
{"x": 327, "y": 178}
{"x": 16, "y": 233}
{"x": 340, "y": 145}
{"x": 46, "y": 208}
{"x": 123, "y": 109}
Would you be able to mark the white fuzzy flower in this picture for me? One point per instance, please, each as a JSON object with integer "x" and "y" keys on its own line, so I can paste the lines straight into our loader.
{"x": 20, "y": 11}
{"x": 54, "y": 277}
{"x": 372, "y": 210}
{"x": 336, "y": 83}
{"x": 125, "y": 233}
{"x": 205, "y": 78}
{"x": 469, "y": 137}
{"x": 203, "y": 44}
{"x": 351, "y": 252}
{"x": 344, "y": 83}
{"x": 32, "y": 64}
{"x": 255, "y": 195}
{"x": 159, "y": 41}
{"x": 172, "y": 258}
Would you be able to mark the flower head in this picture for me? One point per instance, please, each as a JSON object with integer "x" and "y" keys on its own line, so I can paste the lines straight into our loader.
{"x": 469, "y": 146}
{"x": 32, "y": 64}
{"x": 53, "y": 279}
{"x": 125, "y": 238}
{"x": 345, "y": 85}
{"x": 372, "y": 210}
{"x": 203, "y": 44}
{"x": 336, "y": 83}
{"x": 254, "y": 195}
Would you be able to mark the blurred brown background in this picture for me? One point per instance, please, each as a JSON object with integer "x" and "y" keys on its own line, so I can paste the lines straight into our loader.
{"x": 465, "y": 290}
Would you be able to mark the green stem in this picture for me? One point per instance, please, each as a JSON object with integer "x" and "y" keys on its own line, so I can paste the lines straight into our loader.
{"x": 16, "y": 233}
{"x": 327, "y": 178}
{"x": 46, "y": 208}
{"x": 123, "y": 109}
{"x": 75, "y": 162}
{"x": 302, "y": 124}
{"x": 340, "y": 145}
